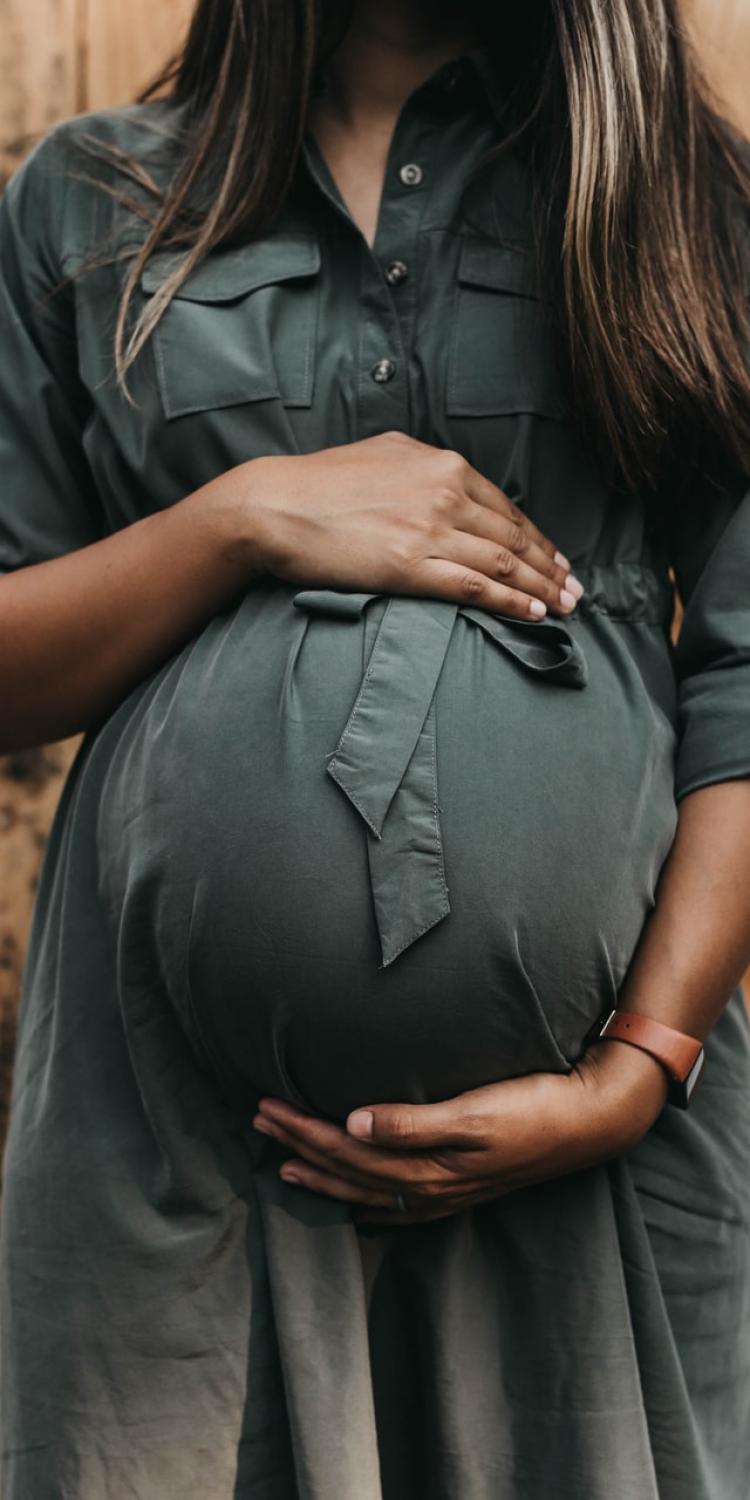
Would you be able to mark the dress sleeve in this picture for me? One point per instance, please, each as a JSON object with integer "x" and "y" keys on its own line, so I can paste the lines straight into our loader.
{"x": 711, "y": 560}
{"x": 48, "y": 498}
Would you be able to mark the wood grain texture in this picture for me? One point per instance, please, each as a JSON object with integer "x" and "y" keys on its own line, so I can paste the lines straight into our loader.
{"x": 127, "y": 44}
{"x": 59, "y": 57}
{"x": 38, "y": 71}
{"x": 29, "y": 791}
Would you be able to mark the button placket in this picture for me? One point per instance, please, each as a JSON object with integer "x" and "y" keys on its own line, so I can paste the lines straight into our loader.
{"x": 389, "y": 284}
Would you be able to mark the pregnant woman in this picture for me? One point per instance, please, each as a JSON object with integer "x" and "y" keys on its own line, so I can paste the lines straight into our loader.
{"x": 365, "y": 388}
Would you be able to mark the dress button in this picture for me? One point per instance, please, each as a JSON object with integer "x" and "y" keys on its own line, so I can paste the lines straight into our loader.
{"x": 411, "y": 175}
{"x": 396, "y": 272}
{"x": 383, "y": 371}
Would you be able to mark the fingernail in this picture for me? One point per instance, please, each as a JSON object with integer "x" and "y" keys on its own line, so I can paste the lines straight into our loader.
{"x": 360, "y": 1123}
{"x": 537, "y": 608}
{"x": 562, "y": 561}
{"x": 568, "y": 601}
{"x": 574, "y": 585}
{"x": 262, "y": 1127}
{"x": 289, "y": 1176}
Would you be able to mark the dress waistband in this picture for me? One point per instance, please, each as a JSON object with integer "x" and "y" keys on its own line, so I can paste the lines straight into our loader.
{"x": 626, "y": 591}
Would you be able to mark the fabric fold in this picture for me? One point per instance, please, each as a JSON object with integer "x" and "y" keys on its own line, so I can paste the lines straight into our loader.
{"x": 385, "y": 761}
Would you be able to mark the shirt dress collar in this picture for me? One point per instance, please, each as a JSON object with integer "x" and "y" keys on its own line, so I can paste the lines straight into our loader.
{"x": 453, "y": 85}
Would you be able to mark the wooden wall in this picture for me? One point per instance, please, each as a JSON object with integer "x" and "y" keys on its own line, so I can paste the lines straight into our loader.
{"x": 58, "y": 57}
{"x": 61, "y": 56}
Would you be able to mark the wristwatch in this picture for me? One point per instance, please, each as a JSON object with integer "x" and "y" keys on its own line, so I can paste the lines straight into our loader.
{"x": 682, "y": 1056}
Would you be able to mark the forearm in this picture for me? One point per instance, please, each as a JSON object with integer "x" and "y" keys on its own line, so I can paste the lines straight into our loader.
{"x": 78, "y": 632}
{"x": 692, "y": 954}
{"x": 695, "y": 945}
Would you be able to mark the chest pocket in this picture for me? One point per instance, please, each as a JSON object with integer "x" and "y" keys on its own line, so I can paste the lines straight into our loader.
{"x": 502, "y": 355}
{"x": 241, "y": 328}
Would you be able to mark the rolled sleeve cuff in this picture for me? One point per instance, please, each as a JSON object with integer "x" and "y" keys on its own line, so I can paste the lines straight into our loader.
{"x": 714, "y": 740}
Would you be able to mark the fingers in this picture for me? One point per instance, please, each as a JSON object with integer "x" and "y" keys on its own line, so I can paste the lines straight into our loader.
{"x": 485, "y": 551}
{"x": 451, "y": 1123}
{"x": 515, "y": 537}
{"x": 519, "y": 571}
{"x": 452, "y": 581}
{"x": 420, "y": 1127}
{"x": 485, "y": 493}
{"x": 519, "y": 543}
{"x": 363, "y": 1163}
{"x": 316, "y": 1180}
{"x": 329, "y": 1147}
{"x": 378, "y": 1205}
{"x": 515, "y": 532}
{"x": 353, "y": 1164}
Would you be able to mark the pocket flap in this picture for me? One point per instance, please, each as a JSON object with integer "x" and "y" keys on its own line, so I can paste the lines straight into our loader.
{"x": 225, "y": 274}
{"x": 501, "y": 268}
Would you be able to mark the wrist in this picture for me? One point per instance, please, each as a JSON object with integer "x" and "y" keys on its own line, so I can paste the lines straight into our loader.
{"x": 232, "y": 506}
{"x": 625, "y": 1090}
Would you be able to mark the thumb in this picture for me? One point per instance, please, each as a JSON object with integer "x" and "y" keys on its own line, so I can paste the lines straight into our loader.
{"x": 415, "y": 1126}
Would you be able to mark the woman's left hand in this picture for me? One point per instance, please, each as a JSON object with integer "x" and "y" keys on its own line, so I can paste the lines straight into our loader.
{"x": 480, "y": 1145}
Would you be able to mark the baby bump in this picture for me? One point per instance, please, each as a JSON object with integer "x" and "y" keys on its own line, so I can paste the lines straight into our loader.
{"x": 391, "y": 848}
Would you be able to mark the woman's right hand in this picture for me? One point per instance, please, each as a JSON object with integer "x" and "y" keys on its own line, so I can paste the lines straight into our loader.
{"x": 389, "y": 515}
{"x": 392, "y": 515}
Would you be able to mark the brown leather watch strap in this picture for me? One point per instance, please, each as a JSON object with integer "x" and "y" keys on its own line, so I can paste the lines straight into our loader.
{"x": 674, "y": 1049}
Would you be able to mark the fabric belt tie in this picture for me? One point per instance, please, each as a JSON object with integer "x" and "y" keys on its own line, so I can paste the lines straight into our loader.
{"x": 386, "y": 761}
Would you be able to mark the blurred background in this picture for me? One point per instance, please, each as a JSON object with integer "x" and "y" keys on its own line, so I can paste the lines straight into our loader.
{"x": 61, "y": 57}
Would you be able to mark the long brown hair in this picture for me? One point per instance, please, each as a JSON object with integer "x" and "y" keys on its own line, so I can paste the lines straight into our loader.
{"x": 641, "y": 191}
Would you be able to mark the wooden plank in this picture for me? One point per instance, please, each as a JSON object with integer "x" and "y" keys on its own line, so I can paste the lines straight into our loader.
{"x": 38, "y": 72}
{"x": 127, "y": 43}
{"x": 30, "y": 785}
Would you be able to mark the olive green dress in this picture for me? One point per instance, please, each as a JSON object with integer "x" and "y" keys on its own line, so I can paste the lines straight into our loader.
{"x": 344, "y": 848}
